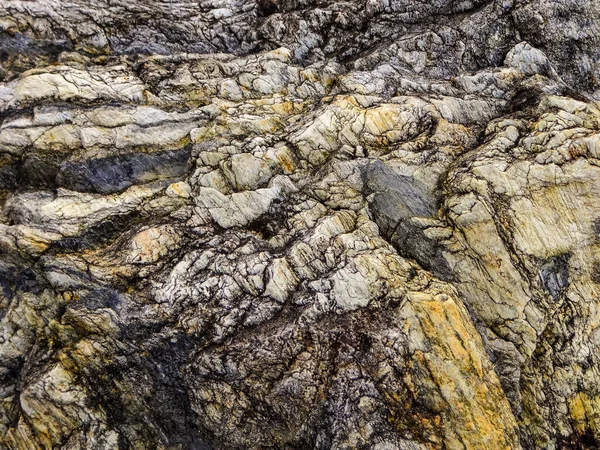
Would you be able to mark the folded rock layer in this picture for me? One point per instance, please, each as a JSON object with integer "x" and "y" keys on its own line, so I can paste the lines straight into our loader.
{"x": 300, "y": 224}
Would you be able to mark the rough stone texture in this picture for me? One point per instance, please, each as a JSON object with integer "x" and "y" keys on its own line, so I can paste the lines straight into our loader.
{"x": 300, "y": 224}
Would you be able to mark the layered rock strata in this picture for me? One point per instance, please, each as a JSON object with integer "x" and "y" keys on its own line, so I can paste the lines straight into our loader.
{"x": 299, "y": 224}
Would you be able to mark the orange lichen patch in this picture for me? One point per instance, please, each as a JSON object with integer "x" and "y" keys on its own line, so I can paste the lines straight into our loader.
{"x": 152, "y": 244}
{"x": 381, "y": 119}
{"x": 179, "y": 189}
{"x": 286, "y": 108}
{"x": 462, "y": 386}
{"x": 286, "y": 162}
{"x": 309, "y": 75}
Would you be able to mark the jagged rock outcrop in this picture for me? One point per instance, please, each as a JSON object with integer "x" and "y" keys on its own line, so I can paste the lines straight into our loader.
{"x": 299, "y": 224}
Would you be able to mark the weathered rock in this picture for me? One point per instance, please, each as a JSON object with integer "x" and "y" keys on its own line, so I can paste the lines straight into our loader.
{"x": 299, "y": 224}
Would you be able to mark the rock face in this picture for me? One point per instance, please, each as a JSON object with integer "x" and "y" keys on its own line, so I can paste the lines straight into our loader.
{"x": 300, "y": 224}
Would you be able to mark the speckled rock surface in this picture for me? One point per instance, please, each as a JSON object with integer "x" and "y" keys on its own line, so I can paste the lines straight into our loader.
{"x": 300, "y": 224}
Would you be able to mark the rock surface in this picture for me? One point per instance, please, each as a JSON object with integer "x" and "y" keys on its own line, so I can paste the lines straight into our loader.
{"x": 300, "y": 224}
